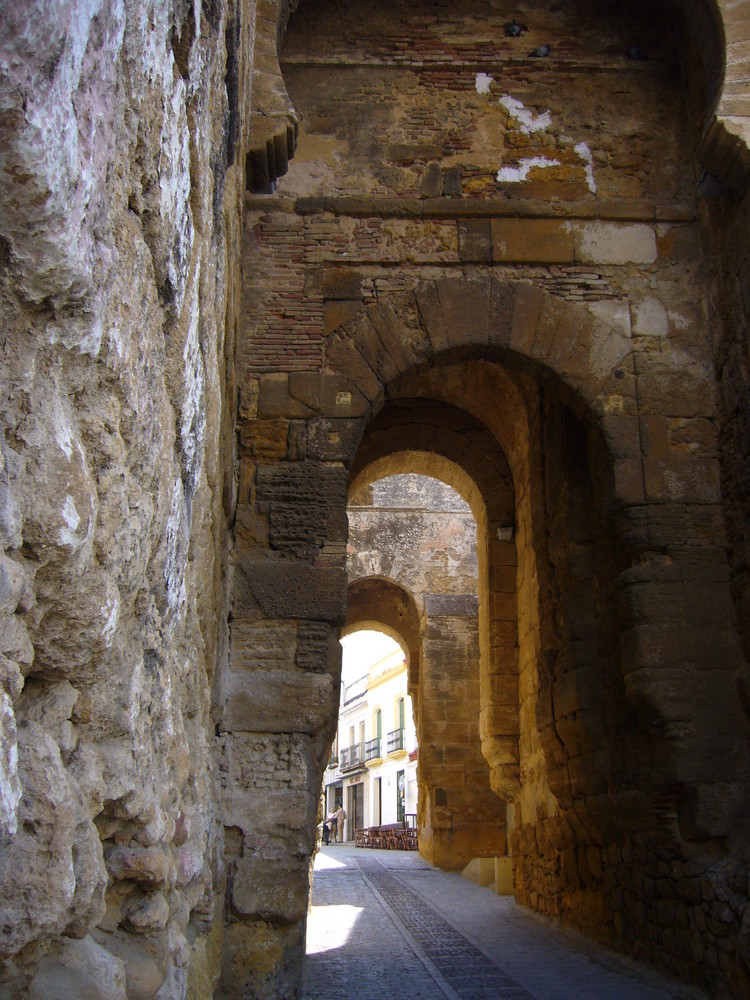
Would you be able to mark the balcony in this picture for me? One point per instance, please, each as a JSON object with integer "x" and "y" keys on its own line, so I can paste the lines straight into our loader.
{"x": 372, "y": 749}
{"x": 352, "y": 758}
{"x": 396, "y": 740}
{"x": 357, "y": 689}
{"x": 334, "y": 760}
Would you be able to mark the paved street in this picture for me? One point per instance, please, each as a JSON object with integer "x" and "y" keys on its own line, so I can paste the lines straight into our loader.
{"x": 384, "y": 924}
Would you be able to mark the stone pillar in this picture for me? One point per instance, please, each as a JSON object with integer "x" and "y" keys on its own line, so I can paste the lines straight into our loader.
{"x": 460, "y": 816}
{"x": 280, "y": 705}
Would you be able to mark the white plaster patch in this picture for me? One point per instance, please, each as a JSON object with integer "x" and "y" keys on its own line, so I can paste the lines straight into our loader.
{"x": 176, "y": 556}
{"x": 70, "y": 516}
{"x": 528, "y": 120}
{"x": 513, "y": 175}
{"x": 192, "y": 415}
{"x": 111, "y": 609}
{"x": 10, "y": 785}
{"x": 680, "y": 320}
{"x": 63, "y": 430}
{"x": 483, "y": 82}
{"x": 585, "y": 154}
{"x": 650, "y": 318}
{"x": 614, "y": 313}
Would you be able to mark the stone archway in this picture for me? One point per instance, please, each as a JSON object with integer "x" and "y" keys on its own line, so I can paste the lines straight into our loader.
{"x": 525, "y": 363}
{"x": 430, "y": 548}
{"x": 580, "y": 319}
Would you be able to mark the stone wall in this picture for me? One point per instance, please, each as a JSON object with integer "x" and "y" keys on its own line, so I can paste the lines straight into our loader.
{"x": 121, "y": 193}
{"x": 515, "y": 239}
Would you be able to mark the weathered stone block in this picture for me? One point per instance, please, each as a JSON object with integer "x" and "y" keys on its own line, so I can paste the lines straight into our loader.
{"x": 282, "y": 701}
{"x": 499, "y": 720}
{"x": 264, "y": 440}
{"x": 502, "y": 306}
{"x": 318, "y": 647}
{"x": 431, "y": 312}
{"x": 305, "y": 501}
{"x": 452, "y": 605}
{"x": 465, "y": 305}
{"x": 577, "y": 689}
{"x": 372, "y": 349}
{"x": 343, "y": 356}
{"x": 336, "y": 313}
{"x": 538, "y": 241}
{"x": 275, "y": 399}
{"x": 431, "y": 185}
{"x": 682, "y": 480}
{"x": 262, "y": 960}
{"x": 334, "y": 283}
{"x": 271, "y": 888}
{"x": 333, "y": 440}
{"x": 613, "y": 243}
{"x": 474, "y": 241}
{"x": 287, "y": 588}
{"x": 329, "y": 395}
{"x": 710, "y": 810}
{"x": 405, "y": 344}
{"x": 500, "y": 689}
{"x": 263, "y": 644}
{"x": 526, "y": 308}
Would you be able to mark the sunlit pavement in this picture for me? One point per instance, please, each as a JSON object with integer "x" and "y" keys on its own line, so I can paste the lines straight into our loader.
{"x": 386, "y": 924}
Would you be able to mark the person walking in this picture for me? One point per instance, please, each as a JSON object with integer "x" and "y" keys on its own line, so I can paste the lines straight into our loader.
{"x": 331, "y": 821}
{"x": 340, "y": 817}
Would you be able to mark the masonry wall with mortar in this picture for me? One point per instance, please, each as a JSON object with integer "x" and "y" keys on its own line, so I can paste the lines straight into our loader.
{"x": 436, "y": 230}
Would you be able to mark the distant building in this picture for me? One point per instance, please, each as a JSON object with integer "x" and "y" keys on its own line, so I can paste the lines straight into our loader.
{"x": 373, "y": 766}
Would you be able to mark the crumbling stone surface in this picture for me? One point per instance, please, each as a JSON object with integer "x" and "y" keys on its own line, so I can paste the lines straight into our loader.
{"x": 119, "y": 211}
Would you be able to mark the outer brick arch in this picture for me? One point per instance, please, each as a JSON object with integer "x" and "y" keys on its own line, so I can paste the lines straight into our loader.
{"x": 721, "y": 32}
{"x": 517, "y": 325}
{"x": 420, "y": 426}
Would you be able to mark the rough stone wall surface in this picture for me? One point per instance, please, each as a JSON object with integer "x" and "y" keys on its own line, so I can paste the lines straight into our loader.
{"x": 120, "y": 198}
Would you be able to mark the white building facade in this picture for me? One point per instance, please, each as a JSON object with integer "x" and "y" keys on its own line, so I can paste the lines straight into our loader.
{"x": 373, "y": 766}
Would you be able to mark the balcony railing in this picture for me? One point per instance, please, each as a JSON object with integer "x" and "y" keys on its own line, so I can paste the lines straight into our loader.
{"x": 357, "y": 689}
{"x": 395, "y": 740}
{"x": 372, "y": 749}
{"x": 352, "y": 757}
{"x": 333, "y": 760}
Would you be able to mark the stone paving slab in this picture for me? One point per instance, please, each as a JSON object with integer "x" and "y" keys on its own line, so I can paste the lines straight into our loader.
{"x": 386, "y": 924}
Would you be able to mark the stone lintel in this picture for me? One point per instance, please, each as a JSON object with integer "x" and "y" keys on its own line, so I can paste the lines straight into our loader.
{"x": 452, "y": 605}
{"x": 484, "y": 208}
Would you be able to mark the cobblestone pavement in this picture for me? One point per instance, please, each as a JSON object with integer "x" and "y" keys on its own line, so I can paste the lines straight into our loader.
{"x": 385, "y": 924}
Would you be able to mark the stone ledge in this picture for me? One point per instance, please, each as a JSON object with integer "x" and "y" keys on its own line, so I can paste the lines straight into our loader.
{"x": 466, "y": 208}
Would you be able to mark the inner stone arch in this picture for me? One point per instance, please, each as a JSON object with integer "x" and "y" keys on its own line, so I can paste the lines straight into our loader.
{"x": 409, "y": 523}
{"x": 375, "y": 601}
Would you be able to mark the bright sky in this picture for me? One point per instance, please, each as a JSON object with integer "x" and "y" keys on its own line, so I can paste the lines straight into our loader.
{"x": 362, "y": 649}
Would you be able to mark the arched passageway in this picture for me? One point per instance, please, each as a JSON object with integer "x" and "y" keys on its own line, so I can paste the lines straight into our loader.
{"x": 418, "y": 532}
